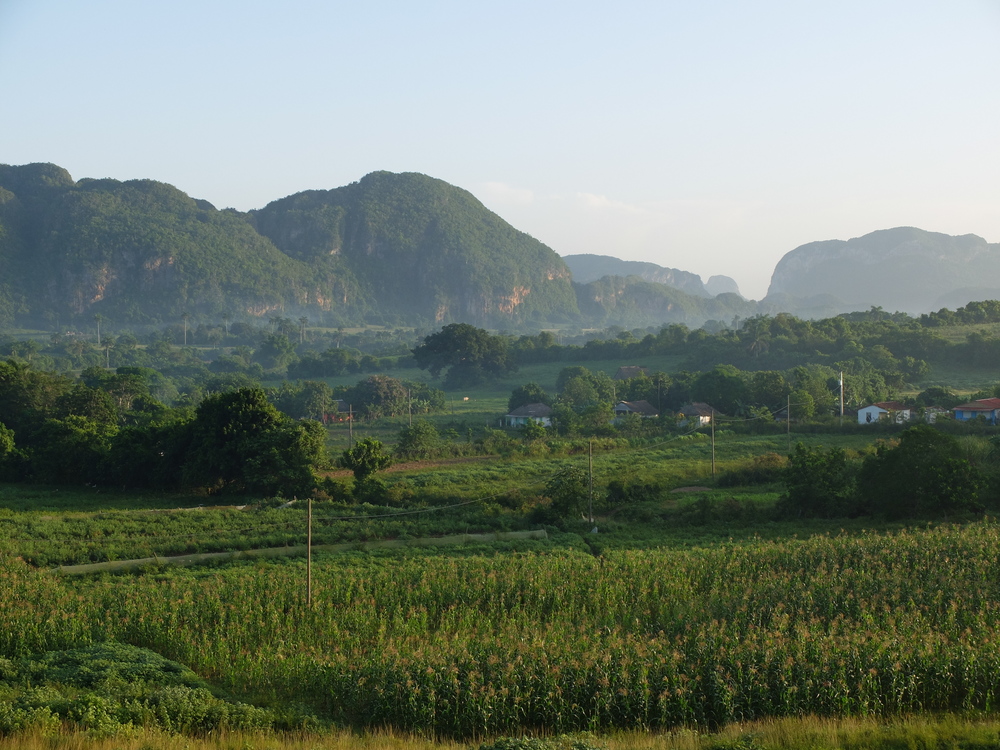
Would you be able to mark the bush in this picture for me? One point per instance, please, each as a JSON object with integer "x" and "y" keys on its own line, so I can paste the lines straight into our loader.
{"x": 926, "y": 474}
{"x": 419, "y": 441}
{"x": 764, "y": 469}
{"x": 819, "y": 484}
{"x": 621, "y": 493}
{"x": 111, "y": 689}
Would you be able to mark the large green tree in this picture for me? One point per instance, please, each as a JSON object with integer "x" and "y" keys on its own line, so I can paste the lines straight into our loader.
{"x": 378, "y": 396}
{"x": 529, "y": 393}
{"x": 241, "y": 442}
{"x": 471, "y": 355}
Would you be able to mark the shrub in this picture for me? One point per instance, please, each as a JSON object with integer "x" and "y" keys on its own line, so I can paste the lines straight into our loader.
{"x": 925, "y": 474}
{"x": 819, "y": 484}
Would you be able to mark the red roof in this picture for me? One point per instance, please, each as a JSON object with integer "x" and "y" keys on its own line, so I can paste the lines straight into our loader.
{"x": 981, "y": 404}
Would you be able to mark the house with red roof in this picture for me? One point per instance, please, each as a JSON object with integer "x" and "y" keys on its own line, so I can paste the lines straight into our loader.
{"x": 988, "y": 408}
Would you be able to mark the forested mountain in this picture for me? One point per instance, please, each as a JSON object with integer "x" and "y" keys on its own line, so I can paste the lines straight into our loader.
{"x": 140, "y": 251}
{"x": 905, "y": 269}
{"x": 401, "y": 248}
{"x": 421, "y": 247}
{"x": 404, "y": 249}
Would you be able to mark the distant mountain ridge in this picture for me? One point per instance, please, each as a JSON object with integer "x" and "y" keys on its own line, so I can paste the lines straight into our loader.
{"x": 588, "y": 267}
{"x": 904, "y": 269}
{"x": 392, "y": 248}
{"x": 406, "y": 249}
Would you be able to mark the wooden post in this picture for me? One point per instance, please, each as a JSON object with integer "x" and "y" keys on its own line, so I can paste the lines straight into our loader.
{"x": 309, "y": 555}
{"x": 841, "y": 398}
{"x": 591, "y": 481}
{"x": 713, "y": 442}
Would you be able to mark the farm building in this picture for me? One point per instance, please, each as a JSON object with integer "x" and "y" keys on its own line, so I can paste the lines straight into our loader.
{"x": 540, "y": 413}
{"x": 893, "y": 410}
{"x": 988, "y": 408}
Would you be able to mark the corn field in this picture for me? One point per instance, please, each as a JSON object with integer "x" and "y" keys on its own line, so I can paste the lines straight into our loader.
{"x": 843, "y": 626}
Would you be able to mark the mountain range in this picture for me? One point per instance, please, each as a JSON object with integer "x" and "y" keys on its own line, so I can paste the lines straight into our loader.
{"x": 404, "y": 249}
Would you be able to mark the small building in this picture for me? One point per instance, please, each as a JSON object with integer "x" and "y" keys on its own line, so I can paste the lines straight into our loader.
{"x": 642, "y": 408}
{"x": 987, "y": 408}
{"x": 698, "y": 412}
{"x": 628, "y": 372}
{"x": 933, "y": 413}
{"x": 893, "y": 410}
{"x": 539, "y": 413}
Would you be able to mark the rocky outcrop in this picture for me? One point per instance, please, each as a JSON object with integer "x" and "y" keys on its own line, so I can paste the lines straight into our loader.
{"x": 587, "y": 268}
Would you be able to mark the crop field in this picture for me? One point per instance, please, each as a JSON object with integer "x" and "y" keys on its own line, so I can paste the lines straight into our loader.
{"x": 482, "y": 644}
{"x": 685, "y": 615}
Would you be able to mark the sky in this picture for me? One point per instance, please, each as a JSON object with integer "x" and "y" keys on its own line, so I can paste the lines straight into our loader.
{"x": 711, "y": 136}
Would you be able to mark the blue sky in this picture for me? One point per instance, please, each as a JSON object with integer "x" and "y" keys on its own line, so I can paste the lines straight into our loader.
{"x": 713, "y": 137}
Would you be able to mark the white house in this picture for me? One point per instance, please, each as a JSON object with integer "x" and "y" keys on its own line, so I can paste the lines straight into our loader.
{"x": 540, "y": 413}
{"x": 884, "y": 410}
{"x": 698, "y": 412}
{"x": 642, "y": 408}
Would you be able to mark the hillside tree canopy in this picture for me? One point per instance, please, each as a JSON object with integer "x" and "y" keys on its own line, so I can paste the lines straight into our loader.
{"x": 471, "y": 355}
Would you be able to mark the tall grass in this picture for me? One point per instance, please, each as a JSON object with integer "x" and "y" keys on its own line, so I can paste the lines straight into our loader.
{"x": 875, "y": 625}
{"x": 815, "y": 733}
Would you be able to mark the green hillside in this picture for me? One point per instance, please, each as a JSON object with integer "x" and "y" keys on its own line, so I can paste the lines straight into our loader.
{"x": 398, "y": 248}
{"x": 140, "y": 251}
{"x": 423, "y": 248}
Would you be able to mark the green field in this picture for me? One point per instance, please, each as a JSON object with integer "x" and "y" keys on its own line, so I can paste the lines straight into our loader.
{"x": 484, "y": 642}
{"x": 696, "y": 612}
{"x": 697, "y": 617}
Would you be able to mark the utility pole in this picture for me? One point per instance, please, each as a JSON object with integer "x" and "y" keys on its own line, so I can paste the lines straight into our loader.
{"x": 713, "y": 442}
{"x": 309, "y": 555}
{"x": 591, "y": 481}
{"x": 841, "y": 398}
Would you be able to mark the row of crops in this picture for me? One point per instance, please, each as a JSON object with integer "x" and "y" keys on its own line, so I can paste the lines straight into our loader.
{"x": 477, "y": 645}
